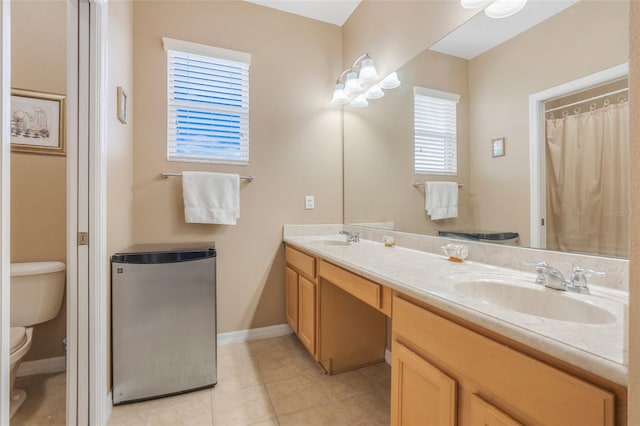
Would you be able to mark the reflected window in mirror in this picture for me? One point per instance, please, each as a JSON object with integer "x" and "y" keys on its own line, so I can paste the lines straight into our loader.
{"x": 435, "y": 137}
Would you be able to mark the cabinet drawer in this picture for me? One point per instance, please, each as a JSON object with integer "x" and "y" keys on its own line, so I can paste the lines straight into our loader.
{"x": 302, "y": 262}
{"x": 365, "y": 290}
{"x": 526, "y": 388}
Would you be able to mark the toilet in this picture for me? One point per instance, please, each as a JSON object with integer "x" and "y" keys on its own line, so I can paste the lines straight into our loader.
{"x": 37, "y": 290}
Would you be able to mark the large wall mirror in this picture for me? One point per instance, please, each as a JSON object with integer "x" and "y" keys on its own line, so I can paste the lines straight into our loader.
{"x": 567, "y": 42}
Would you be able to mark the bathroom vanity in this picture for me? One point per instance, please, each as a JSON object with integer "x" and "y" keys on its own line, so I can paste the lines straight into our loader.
{"x": 456, "y": 358}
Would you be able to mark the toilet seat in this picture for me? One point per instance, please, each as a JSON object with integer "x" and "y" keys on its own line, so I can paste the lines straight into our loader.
{"x": 17, "y": 338}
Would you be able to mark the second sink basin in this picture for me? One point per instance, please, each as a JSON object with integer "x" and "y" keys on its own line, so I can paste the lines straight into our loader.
{"x": 532, "y": 301}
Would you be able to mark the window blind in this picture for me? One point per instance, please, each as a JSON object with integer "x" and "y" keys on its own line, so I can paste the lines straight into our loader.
{"x": 208, "y": 107}
{"x": 435, "y": 121}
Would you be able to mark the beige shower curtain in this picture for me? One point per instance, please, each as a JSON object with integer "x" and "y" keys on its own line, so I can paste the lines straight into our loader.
{"x": 587, "y": 166}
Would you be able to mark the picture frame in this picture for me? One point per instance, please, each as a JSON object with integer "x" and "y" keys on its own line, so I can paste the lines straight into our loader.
{"x": 38, "y": 122}
{"x": 122, "y": 105}
{"x": 497, "y": 147}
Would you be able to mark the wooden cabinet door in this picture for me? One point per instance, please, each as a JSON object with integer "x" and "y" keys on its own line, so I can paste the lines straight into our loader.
{"x": 421, "y": 394}
{"x": 291, "y": 298}
{"x": 307, "y": 313}
{"x": 485, "y": 414}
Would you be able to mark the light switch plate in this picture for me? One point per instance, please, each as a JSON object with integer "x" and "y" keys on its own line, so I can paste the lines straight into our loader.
{"x": 309, "y": 202}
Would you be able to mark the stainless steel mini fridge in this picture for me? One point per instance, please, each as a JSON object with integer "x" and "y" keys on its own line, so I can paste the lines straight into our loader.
{"x": 163, "y": 318}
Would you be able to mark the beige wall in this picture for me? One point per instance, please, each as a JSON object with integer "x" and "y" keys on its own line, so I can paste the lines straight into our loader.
{"x": 394, "y": 32}
{"x": 634, "y": 185}
{"x": 38, "y": 182}
{"x": 295, "y": 138}
{"x": 379, "y": 150}
{"x": 501, "y": 81}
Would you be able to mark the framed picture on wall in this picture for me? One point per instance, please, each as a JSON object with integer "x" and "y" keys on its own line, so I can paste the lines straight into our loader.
{"x": 37, "y": 122}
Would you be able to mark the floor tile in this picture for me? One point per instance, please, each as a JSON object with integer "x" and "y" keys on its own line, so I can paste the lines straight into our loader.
{"x": 189, "y": 412}
{"x": 296, "y": 394}
{"x": 46, "y": 400}
{"x": 242, "y": 407}
{"x": 323, "y": 415}
{"x": 271, "y": 382}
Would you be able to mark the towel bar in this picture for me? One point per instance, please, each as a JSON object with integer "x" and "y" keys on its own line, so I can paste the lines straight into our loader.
{"x": 416, "y": 184}
{"x": 166, "y": 175}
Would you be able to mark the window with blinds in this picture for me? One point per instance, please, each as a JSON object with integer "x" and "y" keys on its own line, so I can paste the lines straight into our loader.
{"x": 208, "y": 103}
{"x": 435, "y": 122}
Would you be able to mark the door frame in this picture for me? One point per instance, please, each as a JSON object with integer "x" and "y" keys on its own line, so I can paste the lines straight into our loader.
{"x": 87, "y": 393}
{"x": 5, "y": 176}
{"x": 537, "y": 162}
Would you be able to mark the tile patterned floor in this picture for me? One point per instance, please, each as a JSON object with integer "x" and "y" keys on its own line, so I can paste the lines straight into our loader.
{"x": 271, "y": 382}
{"x": 46, "y": 400}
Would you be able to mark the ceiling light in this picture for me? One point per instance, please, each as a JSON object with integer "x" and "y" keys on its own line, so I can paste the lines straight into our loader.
{"x": 361, "y": 82}
{"x": 352, "y": 86}
{"x": 374, "y": 92}
{"x": 495, "y": 8}
{"x": 390, "y": 82}
{"x": 472, "y": 4}
{"x": 359, "y": 102}
{"x": 368, "y": 73}
{"x": 339, "y": 97}
{"x": 504, "y": 8}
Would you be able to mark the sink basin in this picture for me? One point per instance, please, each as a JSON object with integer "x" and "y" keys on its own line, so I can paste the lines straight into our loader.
{"x": 533, "y": 301}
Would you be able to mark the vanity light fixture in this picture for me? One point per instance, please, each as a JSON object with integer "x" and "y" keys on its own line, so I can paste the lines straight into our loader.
{"x": 361, "y": 82}
{"x": 496, "y": 8}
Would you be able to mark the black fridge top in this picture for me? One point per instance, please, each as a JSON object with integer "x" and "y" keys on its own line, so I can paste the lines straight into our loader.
{"x": 165, "y": 253}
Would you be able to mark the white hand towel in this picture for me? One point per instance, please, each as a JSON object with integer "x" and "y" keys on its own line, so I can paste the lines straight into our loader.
{"x": 211, "y": 197}
{"x": 441, "y": 200}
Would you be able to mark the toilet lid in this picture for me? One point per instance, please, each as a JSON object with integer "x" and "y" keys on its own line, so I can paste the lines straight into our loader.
{"x": 17, "y": 336}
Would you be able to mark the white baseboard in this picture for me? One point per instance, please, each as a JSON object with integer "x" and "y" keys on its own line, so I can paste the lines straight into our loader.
{"x": 254, "y": 334}
{"x": 42, "y": 366}
{"x": 387, "y": 356}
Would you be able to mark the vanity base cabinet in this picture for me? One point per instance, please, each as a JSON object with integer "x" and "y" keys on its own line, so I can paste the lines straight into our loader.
{"x": 307, "y": 313}
{"x": 291, "y": 298}
{"x": 338, "y": 316}
{"x": 485, "y": 414}
{"x": 422, "y": 394}
{"x": 352, "y": 333}
{"x": 496, "y": 385}
{"x": 301, "y": 295}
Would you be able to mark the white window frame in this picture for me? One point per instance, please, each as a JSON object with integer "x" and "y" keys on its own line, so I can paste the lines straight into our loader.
{"x": 435, "y": 131}
{"x": 215, "y": 153}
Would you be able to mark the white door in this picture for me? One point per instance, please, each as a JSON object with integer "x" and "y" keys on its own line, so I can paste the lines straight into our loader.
{"x": 86, "y": 381}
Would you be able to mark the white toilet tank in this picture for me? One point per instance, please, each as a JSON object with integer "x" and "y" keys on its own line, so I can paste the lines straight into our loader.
{"x": 37, "y": 289}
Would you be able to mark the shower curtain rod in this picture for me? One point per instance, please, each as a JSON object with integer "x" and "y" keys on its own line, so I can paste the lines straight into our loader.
{"x": 626, "y": 89}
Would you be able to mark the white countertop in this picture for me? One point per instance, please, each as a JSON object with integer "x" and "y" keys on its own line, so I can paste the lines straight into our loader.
{"x": 598, "y": 348}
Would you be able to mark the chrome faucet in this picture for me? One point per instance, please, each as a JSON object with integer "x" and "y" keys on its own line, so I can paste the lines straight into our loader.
{"x": 551, "y": 277}
{"x": 352, "y": 237}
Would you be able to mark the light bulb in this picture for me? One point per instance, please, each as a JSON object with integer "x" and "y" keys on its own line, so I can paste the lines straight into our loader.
{"x": 352, "y": 86}
{"x": 390, "y": 82}
{"x": 368, "y": 73}
{"x": 374, "y": 92}
{"x": 359, "y": 102}
{"x": 339, "y": 97}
